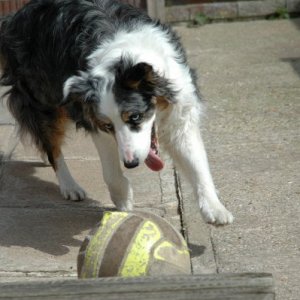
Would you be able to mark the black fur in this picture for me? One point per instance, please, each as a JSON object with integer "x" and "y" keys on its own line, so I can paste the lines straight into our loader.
{"x": 150, "y": 83}
{"x": 48, "y": 41}
{"x": 135, "y": 85}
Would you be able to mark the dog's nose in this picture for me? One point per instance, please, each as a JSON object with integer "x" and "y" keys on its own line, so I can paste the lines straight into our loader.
{"x": 132, "y": 164}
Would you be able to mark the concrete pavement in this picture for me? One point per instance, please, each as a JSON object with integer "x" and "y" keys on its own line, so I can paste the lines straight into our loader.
{"x": 249, "y": 74}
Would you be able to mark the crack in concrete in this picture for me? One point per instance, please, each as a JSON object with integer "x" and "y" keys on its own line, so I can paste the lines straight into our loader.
{"x": 180, "y": 204}
{"x": 162, "y": 195}
{"x": 179, "y": 196}
{"x": 36, "y": 272}
{"x": 214, "y": 250}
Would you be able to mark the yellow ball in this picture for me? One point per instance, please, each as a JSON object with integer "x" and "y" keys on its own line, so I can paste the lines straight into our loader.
{"x": 132, "y": 244}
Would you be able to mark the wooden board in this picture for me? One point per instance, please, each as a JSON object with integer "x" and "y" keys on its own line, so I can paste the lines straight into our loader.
{"x": 204, "y": 287}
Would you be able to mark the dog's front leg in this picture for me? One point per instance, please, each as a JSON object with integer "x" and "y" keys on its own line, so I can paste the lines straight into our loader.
{"x": 68, "y": 186}
{"x": 189, "y": 155}
{"x": 118, "y": 184}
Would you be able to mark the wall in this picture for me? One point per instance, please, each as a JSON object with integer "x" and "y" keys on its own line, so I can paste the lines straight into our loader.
{"x": 186, "y": 10}
{"x": 11, "y": 6}
{"x": 227, "y": 9}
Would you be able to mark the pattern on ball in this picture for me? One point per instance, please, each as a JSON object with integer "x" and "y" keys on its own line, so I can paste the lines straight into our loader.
{"x": 131, "y": 245}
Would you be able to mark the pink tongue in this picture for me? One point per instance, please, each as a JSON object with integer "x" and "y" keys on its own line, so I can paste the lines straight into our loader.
{"x": 153, "y": 161}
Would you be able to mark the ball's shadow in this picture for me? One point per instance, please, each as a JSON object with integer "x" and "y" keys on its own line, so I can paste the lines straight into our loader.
{"x": 34, "y": 214}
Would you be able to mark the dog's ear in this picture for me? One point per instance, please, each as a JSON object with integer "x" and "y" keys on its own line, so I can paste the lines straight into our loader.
{"x": 84, "y": 88}
{"x": 142, "y": 77}
{"x": 164, "y": 90}
{"x": 137, "y": 75}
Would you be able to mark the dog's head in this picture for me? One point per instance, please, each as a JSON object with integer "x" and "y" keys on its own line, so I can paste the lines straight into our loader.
{"x": 123, "y": 102}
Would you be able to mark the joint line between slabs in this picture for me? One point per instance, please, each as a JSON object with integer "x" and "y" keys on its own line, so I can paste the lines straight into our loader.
{"x": 179, "y": 196}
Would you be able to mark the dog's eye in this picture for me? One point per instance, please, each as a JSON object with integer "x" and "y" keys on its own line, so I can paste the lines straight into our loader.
{"x": 135, "y": 117}
{"x": 108, "y": 126}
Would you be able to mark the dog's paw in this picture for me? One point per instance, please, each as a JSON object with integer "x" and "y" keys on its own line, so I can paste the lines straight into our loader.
{"x": 122, "y": 196}
{"x": 216, "y": 214}
{"x": 123, "y": 205}
{"x": 74, "y": 192}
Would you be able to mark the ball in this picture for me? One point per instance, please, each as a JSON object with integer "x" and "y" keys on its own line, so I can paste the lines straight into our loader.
{"x": 133, "y": 244}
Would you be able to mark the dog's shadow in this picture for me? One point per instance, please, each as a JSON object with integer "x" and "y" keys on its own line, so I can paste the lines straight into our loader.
{"x": 33, "y": 213}
{"x": 196, "y": 250}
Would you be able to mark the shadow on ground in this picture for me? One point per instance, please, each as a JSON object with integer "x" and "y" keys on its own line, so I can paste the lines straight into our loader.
{"x": 294, "y": 62}
{"x": 33, "y": 213}
{"x": 196, "y": 250}
{"x": 296, "y": 19}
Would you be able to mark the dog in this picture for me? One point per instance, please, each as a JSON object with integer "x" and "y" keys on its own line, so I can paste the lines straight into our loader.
{"x": 123, "y": 77}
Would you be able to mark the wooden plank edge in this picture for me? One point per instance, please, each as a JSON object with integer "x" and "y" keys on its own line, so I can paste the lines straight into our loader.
{"x": 212, "y": 286}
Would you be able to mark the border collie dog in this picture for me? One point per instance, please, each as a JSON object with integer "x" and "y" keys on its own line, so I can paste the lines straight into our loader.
{"x": 123, "y": 77}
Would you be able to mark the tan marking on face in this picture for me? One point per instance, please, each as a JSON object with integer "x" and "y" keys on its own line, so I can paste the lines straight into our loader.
{"x": 125, "y": 116}
{"x": 98, "y": 122}
{"x": 104, "y": 124}
{"x": 133, "y": 84}
{"x": 162, "y": 103}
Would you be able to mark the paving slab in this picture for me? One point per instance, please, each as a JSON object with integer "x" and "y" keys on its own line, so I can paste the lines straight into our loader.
{"x": 249, "y": 74}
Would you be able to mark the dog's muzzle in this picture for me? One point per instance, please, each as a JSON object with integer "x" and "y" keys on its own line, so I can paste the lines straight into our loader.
{"x": 153, "y": 161}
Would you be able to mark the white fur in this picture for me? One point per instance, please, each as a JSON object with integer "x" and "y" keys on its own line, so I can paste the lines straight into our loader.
{"x": 134, "y": 144}
{"x": 68, "y": 186}
{"x": 118, "y": 184}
